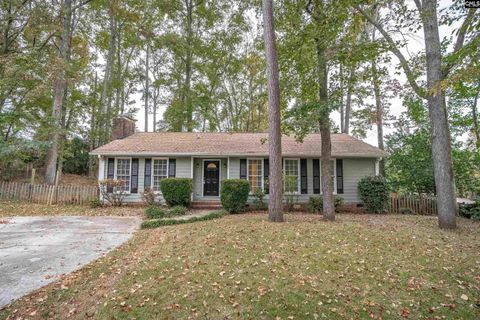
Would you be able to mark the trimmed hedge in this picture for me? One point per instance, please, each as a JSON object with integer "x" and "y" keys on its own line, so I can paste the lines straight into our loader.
{"x": 234, "y": 195}
{"x": 155, "y": 212}
{"x": 374, "y": 193}
{"x": 177, "y": 191}
{"x": 155, "y": 223}
{"x": 315, "y": 204}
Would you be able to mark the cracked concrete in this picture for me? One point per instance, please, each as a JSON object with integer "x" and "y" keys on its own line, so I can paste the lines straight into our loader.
{"x": 35, "y": 251}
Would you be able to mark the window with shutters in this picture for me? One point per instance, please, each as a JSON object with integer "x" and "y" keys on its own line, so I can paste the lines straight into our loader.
{"x": 291, "y": 171}
{"x": 255, "y": 174}
{"x": 123, "y": 171}
{"x": 159, "y": 172}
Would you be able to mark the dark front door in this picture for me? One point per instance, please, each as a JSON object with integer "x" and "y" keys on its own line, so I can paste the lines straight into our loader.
{"x": 211, "y": 178}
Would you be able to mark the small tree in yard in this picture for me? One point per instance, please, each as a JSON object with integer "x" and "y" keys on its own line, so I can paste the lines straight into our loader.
{"x": 290, "y": 188}
{"x": 374, "y": 193}
{"x": 113, "y": 191}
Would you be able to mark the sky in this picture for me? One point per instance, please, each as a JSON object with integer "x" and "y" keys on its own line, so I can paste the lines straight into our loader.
{"x": 415, "y": 45}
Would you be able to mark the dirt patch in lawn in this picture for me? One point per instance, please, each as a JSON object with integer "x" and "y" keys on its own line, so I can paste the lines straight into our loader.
{"x": 241, "y": 266}
{"x": 18, "y": 208}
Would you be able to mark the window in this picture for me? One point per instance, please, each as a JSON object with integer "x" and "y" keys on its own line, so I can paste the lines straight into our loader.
{"x": 291, "y": 172}
{"x": 123, "y": 172}
{"x": 160, "y": 171}
{"x": 333, "y": 174}
{"x": 255, "y": 174}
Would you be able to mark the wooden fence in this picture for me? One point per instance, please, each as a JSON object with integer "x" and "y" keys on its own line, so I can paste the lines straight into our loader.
{"x": 425, "y": 205}
{"x": 47, "y": 194}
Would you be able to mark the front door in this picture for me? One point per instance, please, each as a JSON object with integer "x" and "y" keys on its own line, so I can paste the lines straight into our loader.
{"x": 211, "y": 177}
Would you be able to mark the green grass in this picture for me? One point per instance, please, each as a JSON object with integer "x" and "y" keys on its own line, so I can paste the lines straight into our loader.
{"x": 241, "y": 266}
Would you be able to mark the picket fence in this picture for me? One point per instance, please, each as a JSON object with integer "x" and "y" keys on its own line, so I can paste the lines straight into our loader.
{"x": 417, "y": 204}
{"x": 47, "y": 194}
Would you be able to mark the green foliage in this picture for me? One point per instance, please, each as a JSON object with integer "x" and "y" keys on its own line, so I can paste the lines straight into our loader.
{"x": 177, "y": 211}
{"x": 470, "y": 211}
{"x": 315, "y": 204}
{"x": 155, "y": 223}
{"x": 290, "y": 186}
{"x": 258, "y": 200}
{"x": 76, "y": 157}
{"x": 95, "y": 203}
{"x": 374, "y": 193}
{"x": 155, "y": 212}
{"x": 234, "y": 194}
{"x": 409, "y": 166}
{"x": 177, "y": 191}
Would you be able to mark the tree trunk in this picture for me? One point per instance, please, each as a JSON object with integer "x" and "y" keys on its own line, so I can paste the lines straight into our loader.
{"x": 348, "y": 105}
{"x": 147, "y": 85}
{"x": 342, "y": 107}
{"x": 59, "y": 88}
{"x": 441, "y": 144}
{"x": 476, "y": 128}
{"x": 275, "y": 206}
{"x": 327, "y": 190}
{"x": 378, "y": 112}
{"x": 188, "y": 67}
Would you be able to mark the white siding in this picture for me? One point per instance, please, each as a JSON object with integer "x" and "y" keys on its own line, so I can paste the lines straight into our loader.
{"x": 353, "y": 171}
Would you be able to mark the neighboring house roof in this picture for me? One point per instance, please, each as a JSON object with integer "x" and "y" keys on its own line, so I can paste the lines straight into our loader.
{"x": 232, "y": 144}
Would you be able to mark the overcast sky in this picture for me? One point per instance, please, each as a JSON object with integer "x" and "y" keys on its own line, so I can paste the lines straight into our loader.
{"x": 415, "y": 44}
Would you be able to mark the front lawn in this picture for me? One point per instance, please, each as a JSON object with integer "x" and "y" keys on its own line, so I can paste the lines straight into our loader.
{"x": 240, "y": 266}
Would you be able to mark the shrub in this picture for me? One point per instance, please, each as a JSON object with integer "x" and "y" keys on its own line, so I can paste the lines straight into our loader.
{"x": 315, "y": 204}
{"x": 177, "y": 211}
{"x": 290, "y": 184}
{"x": 155, "y": 212}
{"x": 258, "y": 202}
{"x": 374, "y": 193}
{"x": 95, "y": 203}
{"x": 113, "y": 191}
{"x": 148, "y": 196}
{"x": 177, "y": 191}
{"x": 234, "y": 195}
{"x": 470, "y": 211}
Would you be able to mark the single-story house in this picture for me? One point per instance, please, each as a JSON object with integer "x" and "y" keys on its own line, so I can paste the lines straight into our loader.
{"x": 144, "y": 159}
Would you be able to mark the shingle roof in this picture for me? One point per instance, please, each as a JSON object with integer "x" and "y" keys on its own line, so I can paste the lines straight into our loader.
{"x": 232, "y": 144}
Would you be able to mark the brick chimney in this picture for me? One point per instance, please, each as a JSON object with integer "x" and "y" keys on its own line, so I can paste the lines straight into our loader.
{"x": 123, "y": 126}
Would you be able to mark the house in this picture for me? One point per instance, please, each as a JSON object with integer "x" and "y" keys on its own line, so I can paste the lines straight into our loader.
{"x": 144, "y": 159}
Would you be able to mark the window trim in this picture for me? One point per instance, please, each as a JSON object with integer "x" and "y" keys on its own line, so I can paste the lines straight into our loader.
{"x": 262, "y": 174}
{"x": 130, "y": 171}
{"x": 334, "y": 177}
{"x": 299, "y": 175}
{"x": 152, "y": 172}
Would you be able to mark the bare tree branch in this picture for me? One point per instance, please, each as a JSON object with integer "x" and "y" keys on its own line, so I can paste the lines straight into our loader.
{"x": 396, "y": 51}
{"x": 459, "y": 44}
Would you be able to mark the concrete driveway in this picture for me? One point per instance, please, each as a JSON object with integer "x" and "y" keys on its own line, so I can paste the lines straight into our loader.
{"x": 35, "y": 251}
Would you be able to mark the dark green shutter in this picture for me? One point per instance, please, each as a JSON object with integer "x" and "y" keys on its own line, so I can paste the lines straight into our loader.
{"x": 110, "y": 172}
{"x": 316, "y": 176}
{"x": 266, "y": 172}
{"x": 134, "y": 176}
{"x": 147, "y": 179}
{"x": 243, "y": 169}
{"x": 172, "y": 168}
{"x": 303, "y": 176}
{"x": 339, "y": 176}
